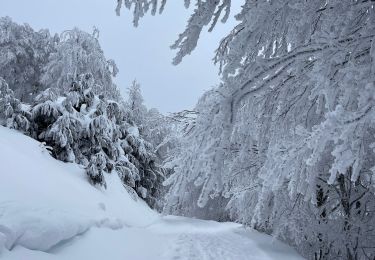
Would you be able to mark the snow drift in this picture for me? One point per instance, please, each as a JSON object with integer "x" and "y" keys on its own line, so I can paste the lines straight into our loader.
{"x": 44, "y": 201}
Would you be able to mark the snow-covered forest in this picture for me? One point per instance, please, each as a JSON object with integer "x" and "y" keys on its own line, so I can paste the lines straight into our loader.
{"x": 284, "y": 145}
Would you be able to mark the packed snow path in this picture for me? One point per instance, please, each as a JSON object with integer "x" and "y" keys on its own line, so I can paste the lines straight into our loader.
{"x": 48, "y": 210}
{"x": 208, "y": 240}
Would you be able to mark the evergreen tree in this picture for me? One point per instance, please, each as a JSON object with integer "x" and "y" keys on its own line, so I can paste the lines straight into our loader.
{"x": 95, "y": 132}
{"x": 12, "y": 113}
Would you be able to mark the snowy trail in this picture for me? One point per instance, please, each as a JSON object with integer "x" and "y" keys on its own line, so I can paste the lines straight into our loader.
{"x": 193, "y": 239}
{"x": 208, "y": 240}
{"x": 49, "y": 211}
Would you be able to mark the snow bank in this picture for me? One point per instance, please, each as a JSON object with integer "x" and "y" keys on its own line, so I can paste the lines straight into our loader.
{"x": 44, "y": 201}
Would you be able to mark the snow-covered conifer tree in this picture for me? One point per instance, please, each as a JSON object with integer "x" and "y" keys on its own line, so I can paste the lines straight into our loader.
{"x": 12, "y": 113}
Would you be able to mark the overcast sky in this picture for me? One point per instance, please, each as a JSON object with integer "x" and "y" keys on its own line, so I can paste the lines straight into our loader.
{"x": 141, "y": 53}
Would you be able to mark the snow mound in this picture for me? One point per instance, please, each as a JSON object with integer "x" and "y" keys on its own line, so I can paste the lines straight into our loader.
{"x": 44, "y": 202}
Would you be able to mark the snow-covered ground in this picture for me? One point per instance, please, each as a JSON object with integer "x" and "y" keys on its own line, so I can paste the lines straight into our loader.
{"x": 49, "y": 211}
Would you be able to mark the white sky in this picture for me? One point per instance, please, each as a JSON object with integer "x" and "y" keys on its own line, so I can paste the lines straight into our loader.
{"x": 141, "y": 53}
